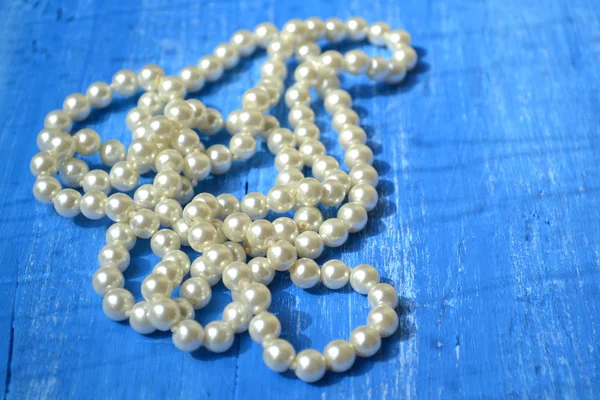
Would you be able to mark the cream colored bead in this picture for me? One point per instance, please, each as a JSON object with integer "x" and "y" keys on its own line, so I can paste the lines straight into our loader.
{"x": 227, "y": 54}
{"x": 357, "y": 28}
{"x": 378, "y": 69}
{"x": 256, "y": 297}
{"x": 310, "y": 365}
{"x": 356, "y": 62}
{"x": 309, "y": 245}
{"x": 59, "y": 120}
{"x": 201, "y": 235}
{"x": 120, "y": 207}
{"x": 168, "y": 211}
{"x": 114, "y": 255}
{"x": 45, "y": 164}
{"x": 262, "y": 270}
{"x": 278, "y": 355}
{"x": 333, "y": 192}
{"x": 164, "y": 314}
{"x": 171, "y": 270}
{"x": 308, "y": 219}
{"x": 236, "y": 225}
{"x": 188, "y": 335}
{"x": 121, "y": 233}
{"x": 309, "y": 192}
{"x": 279, "y": 139}
{"x": 334, "y": 232}
{"x": 179, "y": 257}
{"x": 144, "y": 223}
{"x": 261, "y": 234}
{"x": 264, "y": 33}
{"x": 364, "y": 173}
{"x": 322, "y": 165}
{"x": 181, "y": 113}
{"x": 377, "y": 33}
{"x": 77, "y": 106}
{"x": 315, "y": 29}
{"x": 164, "y": 241}
{"x": 384, "y": 319}
{"x": 212, "y": 122}
{"x": 93, "y": 204}
{"x": 406, "y": 55}
{"x": 365, "y": 195}
{"x": 335, "y": 274}
{"x": 289, "y": 177}
{"x": 311, "y": 149}
{"x": 365, "y": 340}
{"x": 354, "y": 216}
{"x": 197, "y": 291}
{"x": 363, "y": 277}
{"x": 67, "y": 203}
{"x": 306, "y": 130}
{"x": 335, "y": 30}
{"x": 218, "y": 337}
{"x": 255, "y": 205}
{"x": 280, "y": 199}
{"x": 96, "y": 180}
{"x": 111, "y": 152}
{"x": 244, "y": 42}
{"x": 300, "y": 113}
{"x": 171, "y": 87}
{"x": 138, "y": 318}
{"x": 332, "y": 59}
{"x": 45, "y": 189}
{"x": 351, "y": 134}
{"x": 340, "y": 355}
{"x": 396, "y": 72}
{"x": 242, "y": 146}
{"x": 220, "y": 159}
{"x": 344, "y": 117}
{"x": 87, "y": 142}
{"x": 192, "y": 78}
{"x": 264, "y": 327}
{"x": 117, "y": 303}
{"x": 156, "y": 286}
{"x": 124, "y": 82}
{"x": 286, "y": 229}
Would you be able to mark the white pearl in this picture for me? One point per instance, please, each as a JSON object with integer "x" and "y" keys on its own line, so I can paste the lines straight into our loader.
{"x": 262, "y": 270}
{"x": 378, "y": 69}
{"x": 308, "y": 219}
{"x": 365, "y": 340}
{"x": 181, "y": 229}
{"x": 264, "y": 33}
{"x": 236, "y": 225}
{"x": 117, "y": 303}
{"x": 66, "y": 203}
{"x": 168, "y": 160}
{"x": 186, "y": 309}
{"x": 310, "y": 149}
{"x": 121, "y": 233}
{"x": 237, "y": 316}
{"x": 151, "y": 103}
{"x": 171, "y": 270}
{"x": 306, "y": 74}
{"x": 58, "y": 119}
{"x": 136, "y": 117}
{"x": 180, "y": 112}
{"x": 124, "y": 82}
{"x": 197, "y": 211}
{"x": 138, "y": 319}
{"x": 332, "y": 59}
{"x": 279, "y": 139}
{"x": 289, "y": 178}
{"x": 93, "y": 204}
{"x": 72, "y": 171}
{"x": 196, "y": 166}
{"x": 305, "y": 273}
{"x": 289, "y": 158}
{"x": 237, "y": 250}
{"x": 111, "y": 152}
{"x": 149, "y": 77}
{"x": 396, "y": 71}
{"x": 364, "y": 173}
{"x": 306, "y": 50}
{"x": 164, "y": 313}
{"x": 161, "y": 129}
{"x": 163, "y": 241}
{"x": 264, "y": 327}
{"x": 406, "y": 55}
{"x": 142, "y": 154}
{"x": 211, "y": 67}
{"x": 201, "y": 235}
{"x": 114, "y": 255}
{"x": 280, "y": 49}
{"x": 310, "y": 365}
{"x": 46, "y": 135}
{"x": 261, "y": 234}
{"x": 308, "y": 192}
{"x": 44, "y": 164}
{"x": 344, "y": 117}
{"x": 300, "y": 113}
{"x": 340, "y": 355}
{"x": 45, "y": 189}
{"x": 196, "y": 290}
{"x": 167, "y": 183}
{"x": 363, "y": 277}
{"x": 217, "y": 257}
{"x": 87, "y": 142}
{"x": 96, "y": 180}
{"x": 297, "y": 94}
{"x": 119, "y": 207}
{"x": 256, "y": 297}
{"x": 218, "y": 337}
{"x": 382, "y": 294}
{"x": 188, "y": 335}
{"x": 315, "y": 29}
{"x": 278, "y": 355}
{"x": 179, "y": 257}
{"x": 333, "y": 192}
{"x": 192, "y": 78}
{"x": 242, "y": 146}
{"x": 244, "y": 42}
{"x": 106, "y": 279}
{"x": 170, "y": 87}
{"x": 322, "y": 165}
{"x": 335, "y": 30}
{"x": 285, "y": 229}
{"x": 212, "y": 122}
{"x": 228, "y": 204}
{"x": 335, "y": 274}
{"x": 337, "y": 99}
{"x": 62, "y": 146}
{"x": 351, "y": 134}
{"x": 255, "y": 205}
{"x": 354, "y": 216}
{"x": 280, "y": 199}
{"x": 168, "y": 212}
{"x": 377, "y": 33}
{"x": 306, "y": 130}
{"x": 77, "y": 106}
{"x": 357, "y": 28}
{"x": 309, "y": 245}
{"x": 282, "y": 255}
{"x": 156, "y": 286}
{"x": 273, "y": 68}
{"x": 209, "y": 199}
{"x": 220, "y": 159}
{"x": 384, "y": 319}
{"x": 365, "y": 195}
{"x": 256, "y": 99}
{"x": 334, "y": 232}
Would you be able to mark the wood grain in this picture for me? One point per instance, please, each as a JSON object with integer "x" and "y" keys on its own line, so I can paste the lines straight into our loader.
{"x": 487, "y": 223}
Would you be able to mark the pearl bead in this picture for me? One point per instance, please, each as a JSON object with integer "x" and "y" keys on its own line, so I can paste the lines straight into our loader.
{"x": 61, "y": 146}
{"x": 363, "y": 277}
{"x": 396, "y": 72}
{"x": 384, "y": 319}
{"x": 93, "y": 204}
{"x": 87, "y": 142}
{"x": 364, "y": 173}
{"x": 58, "y": 119}
{"x": 365, "y": 195}
{"x": 306, "y": 130}
{"x": 378, "y": 69}
{"x": 192, "y": 78}
{"x": 339, "y": 355}
{"x": 289, "y": 177}
{"x": 344, "y": 117}
{"x": 264, "y": 327}
{"x": 167, "y": 183}
{"x": 322, "y": 165}
{"x": 285, "y": 229}
{"x": 357, "y": 28}
{"x": 72, "y": 171}
{"x": 106, "y": 279}
{"x": 96, "y": 180}
{"x": 315, "y": 29}
{"x": 66, "y": 203}
{"x": 45, "y": 189}
{"x": 264, "y": 33}
{"x": 255, "y": 205}
{"x": 333, "y": 192}
{"x": 297, "y": 94}
{"x": 228, "y": 204}
{"x": 161, "y": 129}
{"x": 156, "y": 286}
{"x": 382, "y": 294}
{"x": 280, "y": 199}
{"x": 237, "y": 250}
{"x": 308, "y": 192}
{"x": 310, "y": 365}
{"x": 406, "y": 55}
{"x": 279, "y": 139}
{"x": 149, "y": 77}
{"x": 217, "y": 257}
{"x": 121, "y": 233}
{"x": 44, "y": 164}
{"x": 197, "y": 211}
{"x": 168, "y": 212}
{"x": 377, "y": 33}
{"x": 188, "y": 335}
{"x": 335, "y": 274}
{"x": 211, "y": 67}
{"x": 311, "y": 149}
{"x": 181, "y": 113}
{"x": 335, "y": 30}
{"x": 212, "y": 122}
{"x": 151, "y": 103}
{"x": 218, "y": 337}
{"x": 114, "y": 255}
{"x": 171, "y": 270}
{"x": 136, "y": 117}
{"x": 279, "y": 49}
{"x": 201, "y": 235}
{"x": 262, "y": 270}
{"x": 242, "y": 146}
{"x": 237, "y": 316}
{"x": 46, "y": 135}
{"x": 351, "y": 134}
{"x": 282, "y": 255}
{"x": 300, "y": 113}
{"x": 119, "y": 207}
{"x": 337, "y": 99}
{"x": 305, "y": 273}
{"x": 278, "y": 355}
{"x": 170, "y": 87}
{"x": 332, "y": 59}
{"x": 163, "y": 241}
{"x": 124, "y": 82}
{"x": 196, "y": 166}
{"x": 77, "y": 107}
{"x": 111, "y": 152}
{"x": 356, "y": 62}
{"x": 256, "y": 99}
{"x": 308, "y": 219}
{"x": 180, "y": 258}
{"x": 220, "y": 159}
{"x": 256, "y": 297}
{"x": 334, "y": 232}
{"x": 236, "y": 225}
{"x": 138, "y": 319}
{"x": 164, "y": 313}
{"x": 261, "y": 234}
{"x": 289, "y": 158}
{"x": 196, "y": 290}
{"x": 354, "y": 216}
{"x": 117, "y": 303}
{"x": 244, "y": 42}
{"x": 309, "y": 245}
{"x": 365, "y": 340}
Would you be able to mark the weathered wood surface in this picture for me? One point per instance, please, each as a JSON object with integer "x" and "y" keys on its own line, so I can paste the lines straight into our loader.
{"x": 488, "y": 220}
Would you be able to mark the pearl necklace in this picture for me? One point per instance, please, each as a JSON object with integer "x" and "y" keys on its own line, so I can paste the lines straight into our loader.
{"x": 164, "y": 141}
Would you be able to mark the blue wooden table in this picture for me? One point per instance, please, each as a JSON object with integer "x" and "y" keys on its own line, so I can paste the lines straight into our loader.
{"x": 488, "y": 221}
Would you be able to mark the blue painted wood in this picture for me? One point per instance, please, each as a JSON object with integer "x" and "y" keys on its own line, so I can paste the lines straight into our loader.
{"x": 488, "y": 220}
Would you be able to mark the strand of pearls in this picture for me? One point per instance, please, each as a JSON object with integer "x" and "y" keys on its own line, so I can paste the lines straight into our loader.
{"x": 224, "y": 229}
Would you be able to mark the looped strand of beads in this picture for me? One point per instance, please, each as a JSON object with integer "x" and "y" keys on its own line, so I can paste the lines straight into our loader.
{"x": 224, "y": 229}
